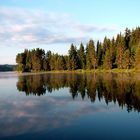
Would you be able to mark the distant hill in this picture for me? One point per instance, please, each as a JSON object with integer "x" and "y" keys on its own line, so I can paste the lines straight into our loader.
{"x": 7, "y": 67}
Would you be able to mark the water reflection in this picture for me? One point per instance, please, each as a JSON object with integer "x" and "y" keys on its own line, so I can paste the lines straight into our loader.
{"x": 123, "y": 89}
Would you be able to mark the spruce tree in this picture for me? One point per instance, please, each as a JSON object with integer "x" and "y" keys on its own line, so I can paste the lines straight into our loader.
{"x": 99, "y": 54}
{"x": 91, "y": 61}
{"x": 120, "y": 51}
{"x": 107, "y": 61}
{"x": 37, "y": 56}
{"x": 82, "y": 58}
{"x": 73, "y": 58}
{"x": 60, "y": 63}
{"x": 137, "y": 58}
{"x": 21, "y": 61}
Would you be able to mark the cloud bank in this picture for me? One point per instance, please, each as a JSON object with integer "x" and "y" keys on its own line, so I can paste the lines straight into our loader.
{"x": 22, "y": 26}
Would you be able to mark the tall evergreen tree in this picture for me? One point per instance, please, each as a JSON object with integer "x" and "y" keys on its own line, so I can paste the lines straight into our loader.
{"x": 21, "y": 61}
{"x": 28, "y": 62}
{"x": 106, "y": 44}
{"x": 114, "y": 52}
{"x": 73, "y": 58}
{"x": 53, "y": 61}
{"x": 66, "y": 57}
{"x": 61, "y": 64}
{"x": 108, "y": 60}
{"x": 99, "y": 54}
{"x": 82, "y": 56}
{"x": 126, "y": 59}
{"x": 47, "y": 61}
{"x": 137, "y": 58}
{"x": 37, "y": 56}
{"x": 120, "y": 51}
{"x": 128, "y": 48}
{"x": 127, "y": 38}
{"x": 91, "y": 61}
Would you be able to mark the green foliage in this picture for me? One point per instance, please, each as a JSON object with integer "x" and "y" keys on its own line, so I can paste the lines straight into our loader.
{"x": 7, "y": 67}
{"x": 107, "y": 60}
{"x": 121, "y": 52}
{"x": 99, "y": 54}
{"x": 82, "y": 57}
{"x": 137, "y": 58}
{"x": 91, "y": 61}
{"x": 37, "y": 59}
{"x": 21, "y": 60}
{"x": 127, "y": 38}
{"x": 73, "y": 58}
{"x": 61, "y": 63}
{"x": 126, "y": 59}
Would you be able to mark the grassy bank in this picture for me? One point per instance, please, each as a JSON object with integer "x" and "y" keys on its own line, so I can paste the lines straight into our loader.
{"x": 83, "y": 71}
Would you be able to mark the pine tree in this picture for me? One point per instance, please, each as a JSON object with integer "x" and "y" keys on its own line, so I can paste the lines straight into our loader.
{"x": 28, "y": 66}
{"x": 47, "y": 61}
{"x": 91, "y": 61}
{"x": 53, "y": 61}
{"x": 61, "y": 64}
{"x": 106, "y": 45}
{"x": 37, "y": 56}
{"x": 99, "y": 54}
{"x": 107, "y": 61}
{"x": 66, "y": 58}
{"x": 120, "y": 51}
{"x": 21, "y": 61}
{"x": 82, "y": 58}
{"x": 129, "y": 49}
{"x": 73, "y": 58}
{"x": 114, "y": 52}
{"x": 126, "y": 59}
{"x": 137, "y": 58}
{"x": 127, "y": 38}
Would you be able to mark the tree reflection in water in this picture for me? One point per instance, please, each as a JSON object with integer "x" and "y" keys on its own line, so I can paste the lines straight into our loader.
{"x": 121, "y": 88}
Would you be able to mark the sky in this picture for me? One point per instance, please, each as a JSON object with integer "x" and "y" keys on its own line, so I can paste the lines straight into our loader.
{"x": 55, "y": 24}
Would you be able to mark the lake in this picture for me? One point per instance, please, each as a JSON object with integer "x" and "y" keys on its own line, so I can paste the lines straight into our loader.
{"x": 70, "y": 106}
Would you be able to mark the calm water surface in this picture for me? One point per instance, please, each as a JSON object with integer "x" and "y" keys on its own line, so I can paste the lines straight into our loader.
{"x": 70, "y": 106}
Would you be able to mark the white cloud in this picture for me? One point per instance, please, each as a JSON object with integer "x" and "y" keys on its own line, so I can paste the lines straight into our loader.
{"x": 20, "y": 26}
{"x": 94, "y": 28}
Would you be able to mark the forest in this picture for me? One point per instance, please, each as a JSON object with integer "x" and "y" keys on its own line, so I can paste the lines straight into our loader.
{"x": 6, "y": 67}
{"x": 121, "y": 52}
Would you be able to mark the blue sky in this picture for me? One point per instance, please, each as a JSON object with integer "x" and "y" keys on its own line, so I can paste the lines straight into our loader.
{"x": 55, "y": 24}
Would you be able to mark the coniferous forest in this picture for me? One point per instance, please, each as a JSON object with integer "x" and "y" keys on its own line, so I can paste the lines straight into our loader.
{"x": 122, "y": 52}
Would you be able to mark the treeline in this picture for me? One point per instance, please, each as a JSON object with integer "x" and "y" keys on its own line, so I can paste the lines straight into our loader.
{"x": 122, "y": 52}
{"x": 7, "y": 67}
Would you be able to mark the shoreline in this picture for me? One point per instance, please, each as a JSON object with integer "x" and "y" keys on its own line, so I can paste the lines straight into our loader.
{"x": 80, "y": 71}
